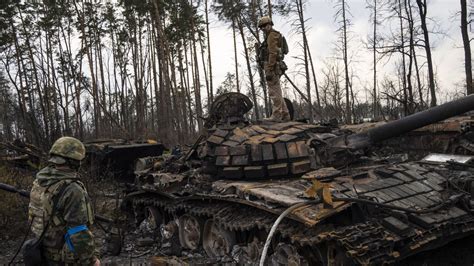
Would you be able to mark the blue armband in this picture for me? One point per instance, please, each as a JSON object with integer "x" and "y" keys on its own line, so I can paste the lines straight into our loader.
{"x": 72, "y": 231}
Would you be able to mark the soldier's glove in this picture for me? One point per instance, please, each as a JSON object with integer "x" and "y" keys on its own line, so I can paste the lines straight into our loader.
{"x": 268, "y": 77}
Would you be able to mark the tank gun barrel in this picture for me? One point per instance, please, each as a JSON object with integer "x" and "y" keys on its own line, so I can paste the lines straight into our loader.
{"x": 13, "y": 189}
{"x": 406, "y": 124}
{"x": 26, "y": 194}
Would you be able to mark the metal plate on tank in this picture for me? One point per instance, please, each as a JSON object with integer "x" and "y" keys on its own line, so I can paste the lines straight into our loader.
{"x": 283, "y": 193}
{"x": 443, "y": 158}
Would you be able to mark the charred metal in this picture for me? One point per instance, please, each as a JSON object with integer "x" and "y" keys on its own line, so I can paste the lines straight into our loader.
{"x": 379, "y": 203}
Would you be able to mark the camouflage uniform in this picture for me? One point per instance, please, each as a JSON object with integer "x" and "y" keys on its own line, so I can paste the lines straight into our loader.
{"x": 272, "y": 75}
{"x": 73, "y": 211}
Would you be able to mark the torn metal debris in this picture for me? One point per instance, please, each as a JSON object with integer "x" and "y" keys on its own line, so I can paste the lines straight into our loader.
{"x": 116, "y": 158}
{"x": 443, "y": 158}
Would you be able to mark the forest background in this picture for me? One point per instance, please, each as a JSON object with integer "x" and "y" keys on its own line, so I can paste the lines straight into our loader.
{"x": 151, "y": 69}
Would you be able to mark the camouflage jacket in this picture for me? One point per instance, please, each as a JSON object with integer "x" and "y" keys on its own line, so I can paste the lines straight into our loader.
{"x": 73, "y": 209}
{"x": 273, "y": 42}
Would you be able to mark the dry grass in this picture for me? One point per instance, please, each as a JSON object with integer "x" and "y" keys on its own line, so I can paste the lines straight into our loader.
{"x": 13, "y": 207}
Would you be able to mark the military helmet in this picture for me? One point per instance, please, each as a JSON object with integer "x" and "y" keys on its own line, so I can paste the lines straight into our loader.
{"x": 264, "y": 21}
{"x": 68, "y": 147}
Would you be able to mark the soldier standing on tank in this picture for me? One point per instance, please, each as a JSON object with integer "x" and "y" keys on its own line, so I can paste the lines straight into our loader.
{"x": 270, "y": 57}
{"x": 67, "y": 239}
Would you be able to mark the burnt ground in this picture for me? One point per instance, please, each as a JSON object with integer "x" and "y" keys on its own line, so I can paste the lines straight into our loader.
{"x": 459, "y": 252}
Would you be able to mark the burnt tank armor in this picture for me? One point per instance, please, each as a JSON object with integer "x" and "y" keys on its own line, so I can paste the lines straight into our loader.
{"x": 224, "y": 195}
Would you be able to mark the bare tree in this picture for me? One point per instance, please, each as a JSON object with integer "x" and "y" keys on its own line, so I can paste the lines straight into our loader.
{"x": 332, "y": 93}
{"x": 262, "y": 81}
{"x": 302, "y": 29}
{"x": 236, "y": 60}
{"x": 467, "y": 48}
{"x": 209, "y": 61}
{"x": 431, "y": 79}
{"x": 403, "y": 74}
{"x": 342, "y": 12}
{"x": 413, "y": 61}
{"x": 375, "y": 22}
{"x": 249, "y": 69}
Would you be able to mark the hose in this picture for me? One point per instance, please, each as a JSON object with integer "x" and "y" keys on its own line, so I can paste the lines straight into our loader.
{"x": 277, "y": 222}
{"x": 348, "y": 199}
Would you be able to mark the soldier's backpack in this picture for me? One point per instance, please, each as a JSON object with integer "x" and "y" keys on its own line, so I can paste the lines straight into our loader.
{"x": 284, "y": 45}
{"x": 284, "y": 51}
{"x": 262, "y": 52}
{"x": 32, "y": 249}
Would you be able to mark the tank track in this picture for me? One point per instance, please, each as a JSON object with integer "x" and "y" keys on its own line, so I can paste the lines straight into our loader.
{"x": 365, "y": 243}
{"x": 370, "y": 243}
{"x": 239, "y": 218}
{"x": 360, "y": 239}
{"x": 232, "y": 216}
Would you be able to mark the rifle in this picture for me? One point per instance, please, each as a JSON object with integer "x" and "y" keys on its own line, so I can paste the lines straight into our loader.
{"x": 26, "y": 194}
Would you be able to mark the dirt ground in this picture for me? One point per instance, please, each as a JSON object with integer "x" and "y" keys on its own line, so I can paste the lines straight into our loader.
{"x": 456, "y": 253}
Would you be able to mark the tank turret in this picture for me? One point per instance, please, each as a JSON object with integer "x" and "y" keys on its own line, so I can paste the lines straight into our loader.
{"x": 237, "y": 149}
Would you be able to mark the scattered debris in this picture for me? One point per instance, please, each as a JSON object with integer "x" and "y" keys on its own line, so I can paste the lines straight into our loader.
{"x": 22, "y": 155}
{"x": 116, "y": 158}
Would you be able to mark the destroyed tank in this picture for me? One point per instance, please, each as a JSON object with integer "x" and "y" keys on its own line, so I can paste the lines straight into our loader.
{"x": 343, "y": 206}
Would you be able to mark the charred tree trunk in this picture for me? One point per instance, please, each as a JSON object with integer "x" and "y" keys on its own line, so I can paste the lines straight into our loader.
{"x": 188, "y": 89}
{"x": 209, "y": 61}
{"x": 165, "y": 83}
{"x": 249, "y": 69}
{"x": 374, "y": 53}
{"x": 467, "y": 48}
{"x": 411, "y": 102}
{"x": 206, "y": 77}
{"x": 299, "y": 5}
{"x": 237, "y": 83}
{"x": 423, "y": 10}
{"x": 346, "y": 64}
{"x": 197, "y": 82}
{"x": 402, "y": 51}
{"x": 261, "y": 74}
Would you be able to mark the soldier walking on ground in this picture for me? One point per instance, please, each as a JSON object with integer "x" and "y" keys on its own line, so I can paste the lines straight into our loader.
{"x": 60, "y": 210}
{"x": 271, "y": 59}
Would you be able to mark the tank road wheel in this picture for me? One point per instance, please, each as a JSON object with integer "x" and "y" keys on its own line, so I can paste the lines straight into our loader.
{"x": 337, "y": 257}
{"x": 217, "y": 241}
{"x": 286, "y": 254}
{"x": 153, "y": 220}
{"x": 252, "y": 252}
{"x": 190, "y": 228}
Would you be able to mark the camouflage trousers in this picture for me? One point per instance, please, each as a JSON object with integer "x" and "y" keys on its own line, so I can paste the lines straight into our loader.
{"x": 57, "y": 257}
{"x": 279, "y": 109}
